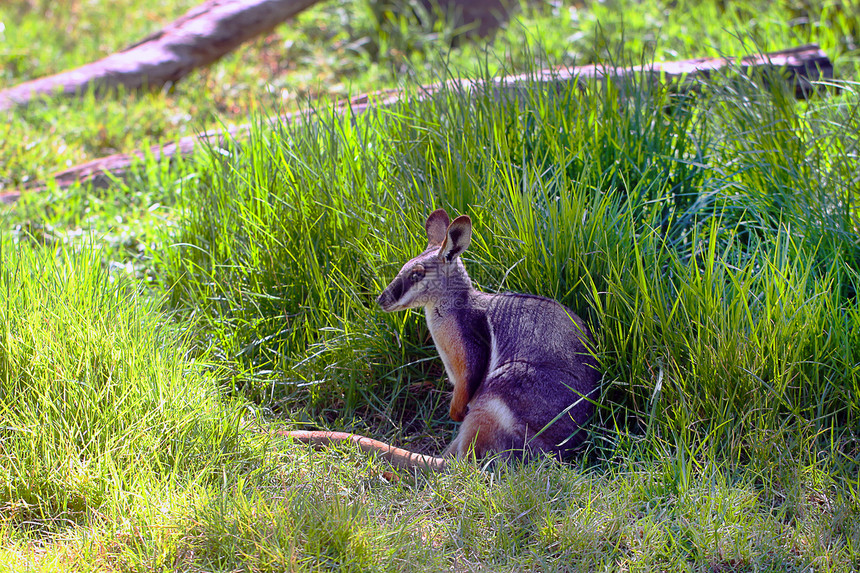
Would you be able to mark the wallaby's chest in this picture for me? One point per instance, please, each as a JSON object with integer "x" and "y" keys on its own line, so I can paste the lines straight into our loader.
{"x": 463, "y": 342}
{"x": 450, "y": 342}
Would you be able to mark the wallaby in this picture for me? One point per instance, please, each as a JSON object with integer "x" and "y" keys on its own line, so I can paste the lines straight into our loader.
{"x": 524, "y": 379}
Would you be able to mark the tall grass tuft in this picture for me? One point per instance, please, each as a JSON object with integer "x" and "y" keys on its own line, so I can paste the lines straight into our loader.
{"x": 97, "y": 395}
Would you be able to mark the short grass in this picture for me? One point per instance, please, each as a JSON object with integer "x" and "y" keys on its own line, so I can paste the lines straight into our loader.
{"x": 153, "y": 333}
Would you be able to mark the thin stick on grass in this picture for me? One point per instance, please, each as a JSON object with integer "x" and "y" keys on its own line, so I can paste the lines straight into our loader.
{"x": 398, "y": 457}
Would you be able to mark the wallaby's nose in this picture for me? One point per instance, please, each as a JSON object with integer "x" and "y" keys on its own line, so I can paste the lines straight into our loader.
{"x": 392, "y": 293}
{"x": 385, "y": 299}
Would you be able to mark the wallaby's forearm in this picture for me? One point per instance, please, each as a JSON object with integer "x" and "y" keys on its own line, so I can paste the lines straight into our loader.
{"x": 398, "y": 457}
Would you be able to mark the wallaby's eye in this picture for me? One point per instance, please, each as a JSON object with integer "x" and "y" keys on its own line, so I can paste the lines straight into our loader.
{"x": 417, "y": 274}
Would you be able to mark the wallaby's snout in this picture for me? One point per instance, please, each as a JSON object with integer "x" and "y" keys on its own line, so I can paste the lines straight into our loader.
{"x": 388, "y": 298}
{"x": 412, "y": 287}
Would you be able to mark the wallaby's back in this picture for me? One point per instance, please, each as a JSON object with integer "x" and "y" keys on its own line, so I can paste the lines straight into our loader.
{"x": 535, "y": 329}
{"x": 541, "y": 368}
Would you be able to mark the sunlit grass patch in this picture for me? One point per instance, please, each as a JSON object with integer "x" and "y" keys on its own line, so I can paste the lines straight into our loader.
{"x": 97, "y": 391}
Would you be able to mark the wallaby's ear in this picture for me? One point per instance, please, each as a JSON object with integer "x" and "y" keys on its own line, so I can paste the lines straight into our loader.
{"x": 436, "y": 227}
{"x": 457, "y": 238}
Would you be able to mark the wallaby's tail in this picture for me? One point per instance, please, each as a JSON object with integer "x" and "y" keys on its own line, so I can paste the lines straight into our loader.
{"x": 398, "y": 457}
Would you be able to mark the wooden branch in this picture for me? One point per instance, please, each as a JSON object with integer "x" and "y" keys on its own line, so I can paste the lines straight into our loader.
{"x": 803, "y": 66}
{"x": 204, "y": 34}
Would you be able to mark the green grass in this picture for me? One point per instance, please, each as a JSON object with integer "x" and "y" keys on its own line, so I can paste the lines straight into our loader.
{"x": 337, "y": 49}
{"x": 153, "y": 333}
{"x": 721, "y": 277}
{"x": 91, "y": 377}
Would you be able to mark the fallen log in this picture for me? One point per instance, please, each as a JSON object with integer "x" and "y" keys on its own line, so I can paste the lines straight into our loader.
{"x": 199, "y": 37}
{"x": 801, "y": 66}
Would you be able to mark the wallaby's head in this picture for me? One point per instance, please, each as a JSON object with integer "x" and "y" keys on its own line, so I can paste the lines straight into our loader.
{"x": 437, "y": 274}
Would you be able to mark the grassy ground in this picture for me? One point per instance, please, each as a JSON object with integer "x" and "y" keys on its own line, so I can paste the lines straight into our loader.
{"x": 151, "y": 334}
